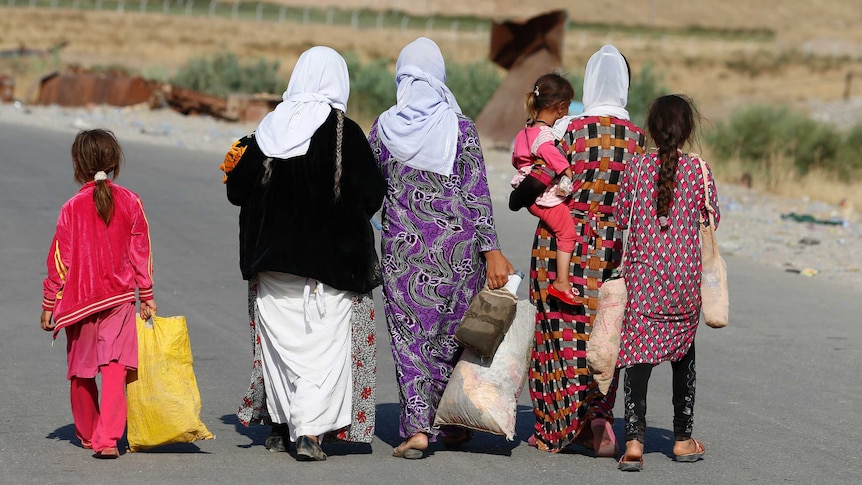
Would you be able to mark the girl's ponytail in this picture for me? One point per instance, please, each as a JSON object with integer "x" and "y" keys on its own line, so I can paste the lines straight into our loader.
{"x": 103, "y": 198}
{"x": 531, "y": 105}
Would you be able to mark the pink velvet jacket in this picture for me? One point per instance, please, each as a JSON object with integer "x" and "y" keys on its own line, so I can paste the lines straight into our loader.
{"x": 93, "y": 266}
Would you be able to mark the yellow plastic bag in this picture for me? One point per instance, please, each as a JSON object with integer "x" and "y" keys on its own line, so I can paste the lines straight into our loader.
{"x": 164, "y": 402}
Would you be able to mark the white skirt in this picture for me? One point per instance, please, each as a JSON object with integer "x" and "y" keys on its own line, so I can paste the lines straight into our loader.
{"x": 305, "y": 344}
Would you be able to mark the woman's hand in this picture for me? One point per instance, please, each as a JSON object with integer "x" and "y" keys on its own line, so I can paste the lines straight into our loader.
{"x": 47, "y": 324}
{"x": 148, "y": 309}
{"x": 499, "y": 269}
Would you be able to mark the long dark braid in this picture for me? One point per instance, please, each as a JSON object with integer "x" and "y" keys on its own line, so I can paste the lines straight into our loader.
{"x": 339, "y": 138}
{"x": 670, "y": 122}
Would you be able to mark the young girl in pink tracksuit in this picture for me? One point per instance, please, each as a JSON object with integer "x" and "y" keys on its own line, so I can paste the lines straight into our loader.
{"x": 99, "y": 257}
{"x": 548, "y": 102}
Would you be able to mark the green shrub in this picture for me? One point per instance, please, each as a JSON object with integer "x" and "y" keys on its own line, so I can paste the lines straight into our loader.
{"x": 473, "y": 84}
{"x": 645, "y": 87}
{"x": 372, "y": 87}
{"x": 759, "y": 135}
{"x": 223, "y": 74}
{"x": 849, "y": 155}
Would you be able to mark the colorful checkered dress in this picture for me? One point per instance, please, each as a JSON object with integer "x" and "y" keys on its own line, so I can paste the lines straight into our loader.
{"x": 565, "y": 397}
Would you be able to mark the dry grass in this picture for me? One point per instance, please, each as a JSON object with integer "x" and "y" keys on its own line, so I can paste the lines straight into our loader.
{"x": 779, "y": 177}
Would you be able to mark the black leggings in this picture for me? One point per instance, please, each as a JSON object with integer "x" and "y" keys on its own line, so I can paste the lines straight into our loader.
{"x": 636, "y": 382}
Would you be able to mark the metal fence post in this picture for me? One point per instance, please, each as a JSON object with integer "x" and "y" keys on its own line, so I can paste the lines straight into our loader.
{"x": 234, "y": 11}
{"x": 258, "y": 12}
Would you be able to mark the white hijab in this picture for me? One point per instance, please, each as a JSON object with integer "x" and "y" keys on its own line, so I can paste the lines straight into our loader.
{"x": 606, "y": 84}
{"x": 421, "y": 130}
{"x": 319, "y": 82}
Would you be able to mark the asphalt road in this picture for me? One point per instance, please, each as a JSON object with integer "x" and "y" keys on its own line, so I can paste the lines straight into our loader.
{"x": 778, "y": 390}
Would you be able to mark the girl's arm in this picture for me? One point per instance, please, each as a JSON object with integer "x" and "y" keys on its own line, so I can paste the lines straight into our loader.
{"x": 142, "y": 256}
{"x": 553, "y": 155}
{"x": 58, "y": 266}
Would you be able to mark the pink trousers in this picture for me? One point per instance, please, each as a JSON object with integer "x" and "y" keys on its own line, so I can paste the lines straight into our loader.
{"x": 98, "y": 425}
{"x": 559, "y": 221}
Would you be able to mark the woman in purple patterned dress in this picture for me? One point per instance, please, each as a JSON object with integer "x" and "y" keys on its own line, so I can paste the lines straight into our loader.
{"x": 438, "y": 238}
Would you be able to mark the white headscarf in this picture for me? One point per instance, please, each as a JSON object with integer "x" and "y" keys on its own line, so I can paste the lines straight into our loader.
{"x": 319, "y": 82}
{"x": 606, "y": 84}
{"x": 421, "y": 130}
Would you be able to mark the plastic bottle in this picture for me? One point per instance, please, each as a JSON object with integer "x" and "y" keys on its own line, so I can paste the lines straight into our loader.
{"x": 514, "y": 282}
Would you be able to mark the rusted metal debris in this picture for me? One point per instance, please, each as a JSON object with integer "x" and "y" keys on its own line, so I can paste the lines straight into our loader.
{"x": 528, "y": 50}
{"x": 7, "y": 89}
{"x": 190, "y": 102}
{"x": 236, "y": 107}
{"x": 251, "y": 107}
{"x": 79, "y": 87}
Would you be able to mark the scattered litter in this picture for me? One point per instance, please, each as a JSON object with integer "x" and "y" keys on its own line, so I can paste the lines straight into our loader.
{"x": 809, "y": 272}
{"x": 809, "y": 241}
{"x": 811, "y": 219}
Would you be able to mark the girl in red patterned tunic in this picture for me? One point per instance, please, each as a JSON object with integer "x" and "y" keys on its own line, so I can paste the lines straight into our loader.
{"x": 662, "y": 199}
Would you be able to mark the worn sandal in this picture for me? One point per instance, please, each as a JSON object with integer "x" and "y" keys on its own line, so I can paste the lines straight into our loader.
{"x": 692, "y": 457}
{"x": 628, "y": 465}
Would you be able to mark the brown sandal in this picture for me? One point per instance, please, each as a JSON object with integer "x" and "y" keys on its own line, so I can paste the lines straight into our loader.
{"x": 692, "y": 457}
{"x": 627, "y": 464}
